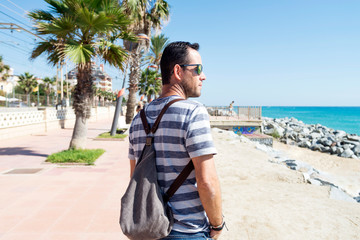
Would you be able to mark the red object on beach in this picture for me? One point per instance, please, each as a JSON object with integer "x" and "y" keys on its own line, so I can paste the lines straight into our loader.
{"x": 121, "y": 92}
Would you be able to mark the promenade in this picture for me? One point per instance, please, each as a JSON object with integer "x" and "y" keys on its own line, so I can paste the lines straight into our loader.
{"x": 47, "y": 201}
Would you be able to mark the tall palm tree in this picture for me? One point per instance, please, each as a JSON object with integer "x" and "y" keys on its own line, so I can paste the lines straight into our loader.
{"x": 82, "y": 30}
{"x": 27, "y": 83}
{"x": 48, "y": 85}
{"x": 150, "y": 84}
{"x": 146, "y": 15}
{"x": 158, "y": 44}
{"x": 3, "y": 70}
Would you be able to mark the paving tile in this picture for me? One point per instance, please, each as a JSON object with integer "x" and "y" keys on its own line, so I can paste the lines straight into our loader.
{"x": 59, "y": 202}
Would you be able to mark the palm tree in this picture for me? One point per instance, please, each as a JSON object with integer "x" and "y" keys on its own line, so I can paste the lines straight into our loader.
{"x": 3, "y": 70}
{"x": 27, "y": 83}
{"x": 48, "y": 84}
{"x": 158, "y": 44}
{"x": 150, "y": 84}
{"x": 82, "y": 30}
{"x": 146, "y": 15}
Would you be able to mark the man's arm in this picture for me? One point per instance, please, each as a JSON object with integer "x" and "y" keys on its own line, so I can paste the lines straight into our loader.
{"x": 209, "y": 189}
{"x": 132, "y": 167}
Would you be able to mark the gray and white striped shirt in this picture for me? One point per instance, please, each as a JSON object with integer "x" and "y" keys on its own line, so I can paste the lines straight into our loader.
{"x": 183, "y": 133}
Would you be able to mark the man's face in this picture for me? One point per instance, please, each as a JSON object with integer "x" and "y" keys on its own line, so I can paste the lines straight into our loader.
{"x": 192, "y": 81}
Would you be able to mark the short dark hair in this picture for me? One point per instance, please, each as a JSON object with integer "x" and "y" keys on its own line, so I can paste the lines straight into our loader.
{"x": 174, "y": 53}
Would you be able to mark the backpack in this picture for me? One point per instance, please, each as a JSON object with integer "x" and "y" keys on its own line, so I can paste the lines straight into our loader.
{"x": 145, "y": 213}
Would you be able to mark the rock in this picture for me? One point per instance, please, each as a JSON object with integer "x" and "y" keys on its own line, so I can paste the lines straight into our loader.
{"x": 306, "y": 144}
{"x": 326, "y": 142}
{"x": 317, "y": 147}
{"x": 348, "y": 146}
{"x": 337, "y": 194}
{"x": 353, "y": 137}
{"x": 351, "y": 142}
{"x": 305, "y": 131}
{"x": 269, "y": 131}
{"x": 315, "y": 135}
{"x": 326, "y": 149}
{"x": 340, "y": 134}
{"x": 291, "y": 164}
{"x": 347, "y": 153}
{"x": 356, "y": 149}
{"x": 314, "y": 182}
{"x": 333, "y": 150}
{"x": 354, "y": 157}
{"x": 339, "y": 151}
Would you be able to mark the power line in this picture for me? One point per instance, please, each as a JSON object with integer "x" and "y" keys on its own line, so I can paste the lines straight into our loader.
{"x": 17, "y": 6}
{"x": 25, "y": 51}
{"x": 12, "y": 10}
{"x": 15, "y": 19}
{"x": 15, "y": 37}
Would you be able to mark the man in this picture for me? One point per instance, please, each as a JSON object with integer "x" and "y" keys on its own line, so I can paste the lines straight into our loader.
{"x": 183, "y": 135}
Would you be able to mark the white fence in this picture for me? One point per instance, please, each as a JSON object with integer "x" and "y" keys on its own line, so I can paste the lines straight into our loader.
{"x": 19, "y": 122}
{"x": 238, "y": 112}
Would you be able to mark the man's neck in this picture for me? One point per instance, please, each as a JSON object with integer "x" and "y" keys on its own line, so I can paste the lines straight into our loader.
{"x": 171, "y": 90}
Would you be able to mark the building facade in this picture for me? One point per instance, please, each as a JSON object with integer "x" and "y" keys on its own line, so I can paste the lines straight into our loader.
{"x": 101, "y": 79}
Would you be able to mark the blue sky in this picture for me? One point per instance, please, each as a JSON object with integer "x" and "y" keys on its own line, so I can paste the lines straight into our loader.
{"x": 255, "y": 52}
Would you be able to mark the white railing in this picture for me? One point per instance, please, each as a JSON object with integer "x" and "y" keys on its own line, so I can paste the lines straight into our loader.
{"x": 27, "y": 117}
{"x": 238, "y": 112}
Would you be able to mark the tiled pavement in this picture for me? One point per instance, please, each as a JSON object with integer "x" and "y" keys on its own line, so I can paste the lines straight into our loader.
{"x": 61, "y": 202}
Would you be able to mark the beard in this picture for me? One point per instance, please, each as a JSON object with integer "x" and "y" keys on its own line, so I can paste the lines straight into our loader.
{"x": 191, "y": 89}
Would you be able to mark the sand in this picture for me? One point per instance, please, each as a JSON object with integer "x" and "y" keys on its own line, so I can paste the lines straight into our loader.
{"x": 266, "y": 200}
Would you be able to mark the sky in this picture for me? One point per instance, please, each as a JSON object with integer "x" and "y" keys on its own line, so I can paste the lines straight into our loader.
{"x": 254, "y": 52}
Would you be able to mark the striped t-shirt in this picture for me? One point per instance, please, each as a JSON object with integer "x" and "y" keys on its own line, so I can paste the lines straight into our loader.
{"x": 183, "y": 133}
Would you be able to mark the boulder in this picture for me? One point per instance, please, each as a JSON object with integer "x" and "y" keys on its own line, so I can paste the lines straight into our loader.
{"x": 339, "y": 151}
{"x": 333, "y": 150}
{"x": 315, "y": 135}
{"x": 353, "y": 137}
{"x": 347, "y": 153}
{"x": 317, "y": 147}
{"x": 340, "y": 134}
{"x": 356, "y": 149}
{"x": 337, "y": 194}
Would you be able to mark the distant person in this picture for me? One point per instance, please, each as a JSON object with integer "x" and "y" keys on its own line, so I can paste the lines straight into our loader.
{"x": 231, "y": 108}
{"x": 139, "y": 106}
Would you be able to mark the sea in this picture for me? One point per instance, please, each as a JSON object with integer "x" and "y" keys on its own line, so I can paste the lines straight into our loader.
{"x": 338, "y": 118}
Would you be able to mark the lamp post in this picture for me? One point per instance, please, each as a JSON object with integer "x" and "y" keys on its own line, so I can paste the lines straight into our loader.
{"x": 142, "y": 37}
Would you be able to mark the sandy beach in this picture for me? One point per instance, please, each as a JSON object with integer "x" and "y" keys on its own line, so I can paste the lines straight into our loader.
{"x": 266, "y": 200}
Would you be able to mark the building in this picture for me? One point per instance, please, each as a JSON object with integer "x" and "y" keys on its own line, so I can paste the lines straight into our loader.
{"x": 101, "y": 79}
{"x": 8, "y": 85}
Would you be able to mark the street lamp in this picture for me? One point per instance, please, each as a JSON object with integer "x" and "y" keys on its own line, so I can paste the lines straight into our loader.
{"x": 142, "y": 38}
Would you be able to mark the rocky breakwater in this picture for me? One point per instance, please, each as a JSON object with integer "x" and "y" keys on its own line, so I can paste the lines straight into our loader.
{"x": 315, "y": 137}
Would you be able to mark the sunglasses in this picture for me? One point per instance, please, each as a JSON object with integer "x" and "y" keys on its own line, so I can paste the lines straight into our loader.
{"x": 199, "y": 68}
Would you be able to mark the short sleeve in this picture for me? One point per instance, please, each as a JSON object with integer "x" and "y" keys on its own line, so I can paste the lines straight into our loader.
{"x": 199, "y": 140}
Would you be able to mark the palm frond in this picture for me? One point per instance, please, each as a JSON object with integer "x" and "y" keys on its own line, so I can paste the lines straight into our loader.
{"x": 41, "y": 15}
{"x": 112, "y": 54}
{"x": 78, "y": 52}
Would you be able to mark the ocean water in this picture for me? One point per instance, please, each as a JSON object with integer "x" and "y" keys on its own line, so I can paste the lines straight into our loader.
{"x": 338, "y": 118}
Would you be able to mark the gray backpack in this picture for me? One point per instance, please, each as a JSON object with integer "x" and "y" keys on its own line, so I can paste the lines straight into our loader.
{"x": 145, "y": 213}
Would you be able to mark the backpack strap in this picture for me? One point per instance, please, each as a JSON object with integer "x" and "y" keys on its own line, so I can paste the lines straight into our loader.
{"x": 149, "y": 140}
{"x": 156, "y": 124}
{"x": 178, "y": 181}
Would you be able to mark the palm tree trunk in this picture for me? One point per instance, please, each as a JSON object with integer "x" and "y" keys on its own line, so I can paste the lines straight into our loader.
{"x": 82, "y": 105}
{"x": 78, "y": 140}
{"x": 133, "y": 86}
{"x": 47, "y": 99}
{"x": 130, "y": 105}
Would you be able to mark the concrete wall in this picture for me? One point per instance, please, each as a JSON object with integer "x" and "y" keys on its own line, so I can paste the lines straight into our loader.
{"x": 20, "y": 122}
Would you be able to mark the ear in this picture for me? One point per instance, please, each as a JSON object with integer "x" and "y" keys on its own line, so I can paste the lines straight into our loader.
{"x": 177, "y": 72}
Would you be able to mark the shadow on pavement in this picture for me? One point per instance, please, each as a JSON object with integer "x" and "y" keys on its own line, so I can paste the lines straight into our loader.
{"x": 20, "y": 151}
